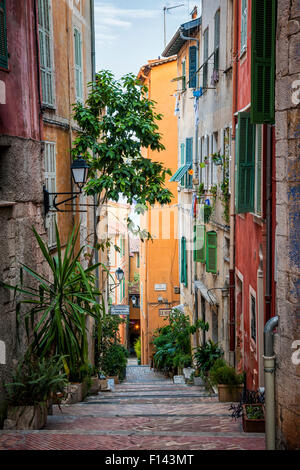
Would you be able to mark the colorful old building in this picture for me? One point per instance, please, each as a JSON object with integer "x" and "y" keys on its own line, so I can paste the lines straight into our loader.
{"x": 159, "y": 283}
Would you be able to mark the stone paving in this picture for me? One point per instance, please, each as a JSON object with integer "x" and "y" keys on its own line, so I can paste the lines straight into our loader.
{"x": 147, "y": 411}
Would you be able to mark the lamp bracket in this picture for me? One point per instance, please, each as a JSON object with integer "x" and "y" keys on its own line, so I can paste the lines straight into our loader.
{"x": 55, "y": 204}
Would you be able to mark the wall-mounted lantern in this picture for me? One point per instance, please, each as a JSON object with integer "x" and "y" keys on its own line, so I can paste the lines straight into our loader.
{"x": 119, "y": 274}
{"x": 79, "y": 169}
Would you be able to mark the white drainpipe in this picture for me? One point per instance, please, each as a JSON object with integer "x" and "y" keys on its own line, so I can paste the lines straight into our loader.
{"x": 269, "y": 369}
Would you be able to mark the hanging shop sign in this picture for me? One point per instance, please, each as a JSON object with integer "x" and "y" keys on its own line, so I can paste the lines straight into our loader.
{"x": 119, "y": 310}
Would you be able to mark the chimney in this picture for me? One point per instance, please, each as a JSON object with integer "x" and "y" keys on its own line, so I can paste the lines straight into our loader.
{"x": 194, "y": 13}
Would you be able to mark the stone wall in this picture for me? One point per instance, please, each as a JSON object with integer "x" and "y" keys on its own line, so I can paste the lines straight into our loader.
{"x": 21, "y": 207}
{"x": 287, "y": 339}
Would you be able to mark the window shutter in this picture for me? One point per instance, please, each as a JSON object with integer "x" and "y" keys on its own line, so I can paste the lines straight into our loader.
{"x": 182, "y": 161}
{"x": 245, "y": 164}
{"x": 3, "y": 36}
{"x": 211, "y": 252}
{"x": 45, "y": 40}
{"x": 192, "y": 67}
{"x": 189, "y": 159}
{"x": 244, "y": 16}
{"x": 184, "y": 76}
{"x": 263, "y": 61}
{"x": 258, "y": 168}
{"x": 199, "y": 243}
{"x": 183, "y": 277}
{"x": 217, "y": 40}
{"x": 78, "y": 64}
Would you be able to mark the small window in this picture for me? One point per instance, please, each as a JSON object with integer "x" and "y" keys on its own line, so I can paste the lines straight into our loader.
{"x": 137, "y": 260}
{"x": 193, "y": 67}
{"x": 244, "y": 17}
{"x": 253, "y": 317}
{"x": 50, "y": 184}
{"x": 189, "y": 160}
{"x": 183, "y": 264}
{"x": 199, "y": 243}
{"x": 3, "y": 36}
{"x": 183, "y": 73}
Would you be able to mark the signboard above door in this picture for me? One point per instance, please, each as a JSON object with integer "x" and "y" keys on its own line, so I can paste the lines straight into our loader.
{"x": 119, "y": 309}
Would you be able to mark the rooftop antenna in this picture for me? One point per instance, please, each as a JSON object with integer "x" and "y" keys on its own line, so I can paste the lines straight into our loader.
{"x": 165, "y": 27}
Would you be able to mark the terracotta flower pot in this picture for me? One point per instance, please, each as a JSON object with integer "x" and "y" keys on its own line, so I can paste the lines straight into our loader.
{"x": 253, "y": 425}
{"x": 229, "y": 393}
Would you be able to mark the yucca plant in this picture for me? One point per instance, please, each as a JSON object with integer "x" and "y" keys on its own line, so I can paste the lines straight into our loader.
{"x": 58, "y": 307}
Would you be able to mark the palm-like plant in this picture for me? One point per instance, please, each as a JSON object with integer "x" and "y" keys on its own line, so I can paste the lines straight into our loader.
{"x": 59, "y": 306}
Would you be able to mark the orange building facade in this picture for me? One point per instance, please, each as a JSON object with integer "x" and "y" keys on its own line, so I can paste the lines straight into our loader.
{"x": 159, "y": 277}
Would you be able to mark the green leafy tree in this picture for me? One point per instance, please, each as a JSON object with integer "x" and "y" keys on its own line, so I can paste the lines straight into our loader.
{"x": 116, "y": 123}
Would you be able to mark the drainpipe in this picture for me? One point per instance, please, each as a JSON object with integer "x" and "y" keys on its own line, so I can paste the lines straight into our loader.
{"x": 268, "y": 295}
{"x": 269, "y": 368}
{"x": 187, "y": 38}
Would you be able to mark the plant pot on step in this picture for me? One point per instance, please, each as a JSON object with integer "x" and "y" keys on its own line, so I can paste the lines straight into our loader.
{"x": 251, "y": 424}
{"x": 103, "y": 384}
{"x": 73, "y": 393}
{"x": 115, "y": 377}
{"x": 26, "y": 417}
{"x": 95, "y": 386}
{"x": 229, "y": 393}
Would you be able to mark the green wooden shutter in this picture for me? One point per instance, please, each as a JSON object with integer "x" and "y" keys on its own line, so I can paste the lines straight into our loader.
{"x": 199, "y": 243}
{"x": 192, "y": 67}
{"x": 3, "y": 36}
{"x": 189, "y": 159}
{"x": 258, "y": 168}
{"x": 245, "y": 161}
{"x": 78, "y": 64}
{"x": 211, "y": 252}
{"x": 182, "y": 161}
{"x": 244, "y": 16}
{"x": 263, "y": 37}
{"x": 183, "y": 277}
{"x": 217, "y": 40}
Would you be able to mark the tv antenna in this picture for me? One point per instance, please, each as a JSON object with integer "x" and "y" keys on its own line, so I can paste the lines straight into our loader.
{"x": 165, "y": 27}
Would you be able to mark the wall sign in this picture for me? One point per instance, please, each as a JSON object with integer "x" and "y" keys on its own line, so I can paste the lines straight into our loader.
{"x": 164, "y": 312}
{"x": 119, "y": 310}
{"x": 160, "y": 287}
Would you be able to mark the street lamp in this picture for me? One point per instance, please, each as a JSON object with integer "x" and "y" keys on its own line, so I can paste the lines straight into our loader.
{"x": 79, "y": 170}
{"x": 119, "y": 274}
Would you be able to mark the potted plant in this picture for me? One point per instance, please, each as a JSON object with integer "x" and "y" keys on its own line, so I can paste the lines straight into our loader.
{"x": 205, "y": 357}
{"x": 254, "y": 418}
{"x": 34, "y": 382}
{"x": 137, "y": 349}
{"x": 113, "y": 362}
{"x": 251, "y": 409}
{"x": 230, "y": 384}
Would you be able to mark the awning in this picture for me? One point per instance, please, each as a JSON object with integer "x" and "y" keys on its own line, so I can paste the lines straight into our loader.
{"x": 209, "y": 296}
{"x": 180, "y": 173}
{"x": 180, "y": 308}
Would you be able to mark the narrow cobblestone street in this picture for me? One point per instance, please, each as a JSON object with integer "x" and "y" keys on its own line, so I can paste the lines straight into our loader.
{"x": 146, "y": 411}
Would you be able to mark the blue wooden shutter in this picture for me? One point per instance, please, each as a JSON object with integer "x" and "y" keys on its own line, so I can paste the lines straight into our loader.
{"x": 3, "y": 36}
{"x": 192, "y": 67}
{"x": 245, "y": 161}
{"x": 189, "y": 159}
{"x": 211, "y": 252}
{"x": 263, "y": 37}
{"x": 182, "y": 161}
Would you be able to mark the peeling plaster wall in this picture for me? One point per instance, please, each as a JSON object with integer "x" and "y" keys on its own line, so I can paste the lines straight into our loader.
{"x": 287, "y": 339}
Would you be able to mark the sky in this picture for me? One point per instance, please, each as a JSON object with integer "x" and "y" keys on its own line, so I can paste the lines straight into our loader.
{"x": 129, "y": 32}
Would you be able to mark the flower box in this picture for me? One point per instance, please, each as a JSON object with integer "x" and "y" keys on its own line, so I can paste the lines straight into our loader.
{"x": 253, "y": 425}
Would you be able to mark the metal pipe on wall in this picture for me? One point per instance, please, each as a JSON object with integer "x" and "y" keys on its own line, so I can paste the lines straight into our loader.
{"x": 269, "y": 369}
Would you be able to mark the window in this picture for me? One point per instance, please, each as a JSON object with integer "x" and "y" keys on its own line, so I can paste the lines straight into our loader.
{"x": 137, "y": 260}
{"x": 199, "y": 243}
{"x": 217, "y": 42}
{"x": 78, "y": 65}
{"x": 123, "y": 246}
{"x": 263, "y": 36}
{"x": 244, "y": 16}
{"x": 205, "y": 58}
{"x": 45, "y": 43}
{"x": 186, "y": 160}
{"x": 193, "y": 67}
{"x": 183, "y": 264}
{"x": 50, "y": 184}
{"x": 253, "y": 317}
{"x": 245, "y": 164}
{"x": 3, "y": 36}
{"x": 214, "y": 149}
{"x": 211, "y": 252}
